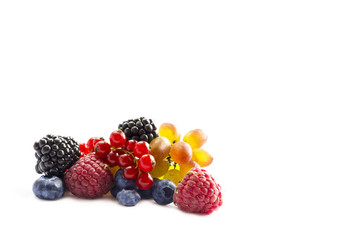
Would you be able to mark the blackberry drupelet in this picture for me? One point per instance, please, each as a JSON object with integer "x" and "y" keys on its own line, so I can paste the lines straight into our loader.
{"x": 55, "y": 154}
{"x": 140, "y": 129}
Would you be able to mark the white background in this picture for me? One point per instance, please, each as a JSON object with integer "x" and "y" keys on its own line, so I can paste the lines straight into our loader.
{"x": 274, "y": 83}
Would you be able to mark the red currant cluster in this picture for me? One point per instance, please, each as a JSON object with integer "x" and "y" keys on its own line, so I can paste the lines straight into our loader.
{"x": 132, "y": 156}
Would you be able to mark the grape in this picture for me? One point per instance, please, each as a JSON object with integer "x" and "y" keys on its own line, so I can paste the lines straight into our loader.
{"x": 161, "y": 168}
{"x": 169, "y": 131}
{"x": 202, "y": 157}
{"x": 195, "y": 138}
{"x": 159, "y": 148}
{"x": 174, "y": 175}
{"x": 184, "y": 168}
{"x": 181, "y": 152}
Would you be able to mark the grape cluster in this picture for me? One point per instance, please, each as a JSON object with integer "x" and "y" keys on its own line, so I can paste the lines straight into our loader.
{"x": 55, "y": 154}
{"x": 174, "y": 158}
{"x": 139, "y": 129}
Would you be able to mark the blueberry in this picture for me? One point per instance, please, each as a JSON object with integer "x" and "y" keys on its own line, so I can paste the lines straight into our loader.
{"x": 148, "y": 194}
{"x": 128, "y": 197}
{"x": 114, "y": 191}
{"x": 49, "y": 188}
{"x": 122, "y": 183}
{"x": 163, "y": 191}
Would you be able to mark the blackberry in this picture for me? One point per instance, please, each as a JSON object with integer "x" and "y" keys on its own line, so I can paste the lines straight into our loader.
{"x": 55, "y": 154}
{"x": 140, "y": 129}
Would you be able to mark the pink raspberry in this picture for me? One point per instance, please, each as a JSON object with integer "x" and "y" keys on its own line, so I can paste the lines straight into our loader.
{"x": 198, "y": 192}
{"x": 89, "y": 177}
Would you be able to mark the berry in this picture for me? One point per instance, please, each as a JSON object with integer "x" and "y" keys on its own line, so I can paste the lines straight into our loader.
{"x": 55, "y": 154}
{"x": 147, "y": 194}
{"x": 144, "y": 181}
{"x": 89, "y": 178}
{"x": 117, "y": 139}
{"x": 163, "y": 191}
{"x": 141, "y": 148}
{"x": 146, "y": 163}
{"x": 114, "y": 191}
{"x": 130, "y": 172}
{"x": 125, "y": 160}
{"x": 128, "y": 197}
{"x": 112, "y": 158}
{"x": 49, "y": 188}
{"x": 83, "y": 148}
{"x": 140, "y": 129}
{"x": 129, "y": 145}
{"x": 92, "y": 141}
{"x": 122, "y": 183}
{"x": 102, "y": 149}
{"x": 198, "y": 192}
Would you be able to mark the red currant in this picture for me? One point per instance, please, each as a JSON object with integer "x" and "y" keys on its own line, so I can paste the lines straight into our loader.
{"x": 129, "y": 145}
{"x": 125, "y": 160}
{"x": 83, "y": 148}
{"x": 141, "y": 148}
{"x": 112, "y": 158}
{"x": 92, "y": 141}
{"x": 146, "y": 163}
{"x": 117, "y": 139}
{"x": 102, "y": 149}
{"x": 144, "y": 181}
{"x": 130, "y": 172}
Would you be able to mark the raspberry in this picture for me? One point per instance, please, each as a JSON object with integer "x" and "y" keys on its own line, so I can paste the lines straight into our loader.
{"x": 198, "y": 192}
{"x": 89, "y": 178}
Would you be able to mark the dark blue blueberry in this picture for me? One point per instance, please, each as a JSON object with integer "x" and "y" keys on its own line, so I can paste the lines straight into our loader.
{"x": 114, "y": 191}
{"x": 128, "y": 197}
{"x": 163, "y": 191}
{"x": 49, "y": 188}
{"x": 122, "y": 183}
{"x": 148, "y": 194}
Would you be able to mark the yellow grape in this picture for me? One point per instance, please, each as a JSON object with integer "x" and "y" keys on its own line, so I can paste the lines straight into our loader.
{"x": 195, "y": 138}
{"x": 202, "y": 157}
{"x": 174, "y": 175}
{"x": 169, "y": 131}
{"x": 181, "y": 152}
{"x": 161, "y": 168}
{"x": 159, "y": 148}
{"x": 184, "y": 168}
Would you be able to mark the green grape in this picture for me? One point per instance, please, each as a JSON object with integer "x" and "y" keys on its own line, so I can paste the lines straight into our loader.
{"x": 174, "y": 175}
{"x": 160, "y": 147}
{"x": 161, "y": 168}
{"x": 202, "y": 157}
{"x": 195, "y": 138}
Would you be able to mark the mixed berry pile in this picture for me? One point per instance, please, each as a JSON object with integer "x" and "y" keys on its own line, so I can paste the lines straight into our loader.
{"x": 137, "y": 162}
